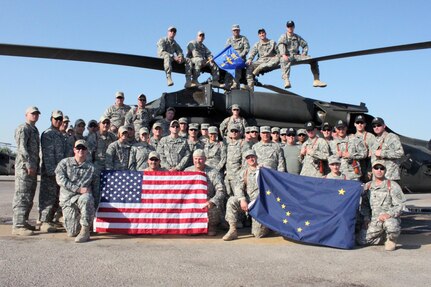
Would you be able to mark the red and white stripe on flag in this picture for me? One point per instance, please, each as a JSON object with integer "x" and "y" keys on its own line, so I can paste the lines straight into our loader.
{"x": 169, "y": 203}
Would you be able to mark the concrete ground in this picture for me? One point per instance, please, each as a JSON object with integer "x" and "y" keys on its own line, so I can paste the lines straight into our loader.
{"x": 121, "y": 260}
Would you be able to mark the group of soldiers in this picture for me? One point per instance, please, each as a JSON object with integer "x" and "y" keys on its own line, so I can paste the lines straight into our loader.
{"x": 290, "y": 48}
{"x": 132, "y": 138}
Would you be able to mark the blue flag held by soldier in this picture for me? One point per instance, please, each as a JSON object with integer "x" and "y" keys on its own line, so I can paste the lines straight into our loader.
{"x": 229, "y": 60}
{"x": 312, "y": 210}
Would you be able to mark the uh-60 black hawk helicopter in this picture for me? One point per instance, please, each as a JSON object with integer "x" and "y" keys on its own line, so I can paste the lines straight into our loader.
{"x": 210, "y": 104}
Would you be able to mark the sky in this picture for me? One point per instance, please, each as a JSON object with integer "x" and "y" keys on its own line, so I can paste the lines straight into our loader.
{"x": 394, "y": 86}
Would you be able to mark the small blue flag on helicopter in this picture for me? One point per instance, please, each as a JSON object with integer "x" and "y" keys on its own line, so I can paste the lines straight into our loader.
{"x": 229, "y": 60}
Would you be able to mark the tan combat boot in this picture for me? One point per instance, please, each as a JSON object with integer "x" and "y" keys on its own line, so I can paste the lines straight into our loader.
{"x": 232, "y": 234}
{"x": 47, "y": 227}
{"x": 21, "y": 231}
{"x": 390, "y": 245}
{"x": 169, "y": 80}
{"x": 84, "y": 235}
{"x": 317, "y": 82}
{"x": 287, "y": 84}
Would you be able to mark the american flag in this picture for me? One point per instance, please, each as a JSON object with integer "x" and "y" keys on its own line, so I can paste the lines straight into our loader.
{"x": 136, "y": 202}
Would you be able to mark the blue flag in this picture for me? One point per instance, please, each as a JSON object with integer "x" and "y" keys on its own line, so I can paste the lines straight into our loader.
{"x": 312, "y": 210}
{"x": 229, "y": 60}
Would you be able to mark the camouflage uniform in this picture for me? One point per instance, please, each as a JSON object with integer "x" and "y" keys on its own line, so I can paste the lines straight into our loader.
{"x": 227, "y": 122}
{"x": 140, "y": 118}
{"x": 78, "y": 209}
{"x": 194, "y": 145}
{"x": 216, "y": 154}
{"x": 332, "y": 176}
{"x": 117, "y": 156}
{"x": 292, "y": 158}
{"x": 154, "y": 142}
{"x": 165, "y": 127}
{"x": 311, "y": 162}
{"x": 356, "y": 148}
{"x": 216, "y": 193}
{"x": 166, "y": 48}
{"x": 27, "y": 156}
{"x": 247, "y": 189}
{"x": 385, "y": 198}
{"x": 70, "y": 143}
{"x": 117, "y": 114}
{"x": 139, "y": 156}
{"x": 242, "y": 47}
{"x": 270, "y": 155}
{"x": 53, "y": 151}
{"x": 392, "y": 151}
{"x": 368, "y": 140}
{"x": 234, "y": 163}
{"x": 174, "y": 153}
{"x": 197, "y": 58}
{"x": 267, "y": 59}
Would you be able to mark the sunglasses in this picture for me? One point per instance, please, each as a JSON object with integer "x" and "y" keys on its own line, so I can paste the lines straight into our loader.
{"x": 359, "y": 123}
{"x": 92, "y": 126}
{"x": 275, "y": 133}
{"x": 292, "y": 135}
{"x": 379, "y": 167}
{"x": 106, "y": 123}
{"x": 234, "y": 131}
{"x": 60, "y": 119}
{"x": 301, "y": 135}
{"x": 247, "y": 132}
{"x": 81, "y": 148}
{"x": 235, "y": 109}
{"x": 142, "y": 100}
{"x": 326, "y": 130}
{"x": 377, "y": 126}
{"x": 154, "y": 159}
{"x": 254, "y": 132}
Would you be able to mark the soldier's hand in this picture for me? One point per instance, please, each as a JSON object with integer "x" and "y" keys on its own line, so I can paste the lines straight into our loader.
{"x": 303, "y": 151}
{"x": 383, "y": 217}
{"x": 248, "y": 63}
{"x": 285, "y": 58}
{"x": 173, "y": 169}
{"x": 346, "y": 154}
{"x": 31, "y": 171}
{"x": 84, "y": 190}
{"x": 209, "y": 205}
{"x": 244, "y": 205}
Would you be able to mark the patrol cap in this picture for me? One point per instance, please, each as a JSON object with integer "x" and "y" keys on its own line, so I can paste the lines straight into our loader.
{"x": 119, "y": 95}
{"x": 31, "y": 110}
{"x": 172, "y": 28}
{"x": 309, "y": 126}
{"x": 205, "y": 126}
{"x": 261, "y": 30}
{"x": 301, "y": 132}
{"x": 234, "y": 127}
{"x": 81, "y": 143}
{"x": 56, "y": 114}
{"x": 326, "y": 125}
{"x": 157, "y": 124}
{"x": 235, "y": 27}
{"x": 183, "y": 121}
{"x": 201, "y": 33}
{"x": 378, "y": 121}
{"x": 334, "y": 159}
{"x": 199, "y": 153}
{"x": 122, "y": 130}
{"x": 379, "y": 162}
{"x": 254, "y": 129}
{"x": 154, "y": 154}
{"x": 212, "y": 130}
{"x": 143, "y": 130}
{"x": 103, "y": 118}
{"x": 129, "y": 127}
{"x": 359, "y": 118}
{"x": 142, "y": 96}
{"x": 291, "y": 131}
{"x": 340, "y": 124}
{"x": 171, "y": 109}
{"x": 66, "y": 119}
{"x": 275, "y": 130}
{"x": 193, "y": 126}
{"x": 283, "y": 131}
{"x": 235, "y": 106}
{"x": 290, "y": 23}
{"x": 79, "y": 121}
{"x": 247, "y": 129}
{"x": 265, "y": 129}
{"x": 249, "y": 152}
{"x": 174, "y": 122}
{"x": 90, "y": 123}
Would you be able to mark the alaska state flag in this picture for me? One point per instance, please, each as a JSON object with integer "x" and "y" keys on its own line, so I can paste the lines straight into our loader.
{"x": 312, "y": 210}
{"x": 229, "y": 60}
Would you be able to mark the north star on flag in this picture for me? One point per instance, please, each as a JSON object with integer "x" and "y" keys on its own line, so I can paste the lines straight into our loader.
{"x": 136, "y": 202}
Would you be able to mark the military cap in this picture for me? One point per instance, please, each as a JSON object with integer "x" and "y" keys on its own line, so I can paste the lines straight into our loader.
{"x": 66, "y": 119}
{"x": 334, "y": 159}
{"x": 379, "y": 162}
{"x": 234, "y": 127}
{"x": 235, "y": 27}
{"x": 103, "y": 118}
{"x": 359, "y": 118}
{"x": 275, "y": 130}
{"x": 378, "y": 121}
{"x": 247, "y": 129}
{"x": 81, "y": 142}
{"x": 31, "y": 110}
{"x": 212, "y": 130}
{"x": 265, "y": 129}
{"x": 157, "y": 124}
{"x": 309, "y": 126}
{"x": 142, "y": 96}
{"x": 201, "y": 33}
{"x": 143, "y": 130}
{"x": 122, "y": 130}
{"x": 174, "y": 122}
{"x": 291, "y": 131}
{"x": 119, "y": 95}
{"x": 283, "y": 131}
{"x": 254, "y": 129}
{"x": 340, "y": 124}
{"x": 183, "y": 121}
{"x": 205, "y": 126}
{"x": 56, "y": 114}
{"x": 261, "y": 30}
{"x": 290, "y": 24}
{"x": 129, "y": 127}
{"x": 171, "y": 109}
{"x": 79, "y": 121}
{"x": 235, "y": 106}
{"x": 172, "y": 28}
{"x": 154, "y": 154}
{"x": 198, "y": 153}
{"x": 249, "y": 152}
{"x": 326, "y": 125}
{"x": 90, "y": 123}
{"x": 70, "y": 128}
{"x": 193, "y": 126}
{"x": 301, "y": 132}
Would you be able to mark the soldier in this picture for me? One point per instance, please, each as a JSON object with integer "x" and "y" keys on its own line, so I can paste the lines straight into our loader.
{"x": 166, "y": 121}
{"x": 174, "y": 150}
{"x": 242, "y": 46}
{"x": 386, "y": 147}
{"x": 368, "y": 139}
{"x": 291, "y": 152}
{"x": 248, "y": 139}
{"x": 92, "y": 128}
{"x": 131, "y": 139}
{"x": 204, "y": 133}
{"x": 193, "y": 141}
{"x": 283, "y": 137}
{"x": 183, "y": 128}
{"x": 78, "y": 134}
{"x": 64, "y": 126}
{"x": 157, "y": 134}
{"x": 301, "y": 136}
{"x": 275, "y": 135}
{"x": 288, "y": 47}
{"x": 334, "y": 165}
{"x": 326, "y": 131}
{"x": 26, "y": 166}
{"x": 118, "y": 152}
{"x": 216, "y": 190}
{"x": 117, "y": 112}
{"x": 77, "y": 180}
{"x": 169, "y": 50}
{"x": 266, "y": 51}
{"x": 154, "y": 162}
{"x": 381, "y": 207}
{"x": 215, "y": 150}
{"x": 236, "y": 118}
{"x": 53, "y": 151}
{"x": 313, "y": 152}
{"x": 269, "y": 153}
{"x": 254, "y": 134}
{"x": 198, "y": 57}
{"x": 140, "y": 151}
{"x": 140, "y": 116}
{"x": 247, "y": 190}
